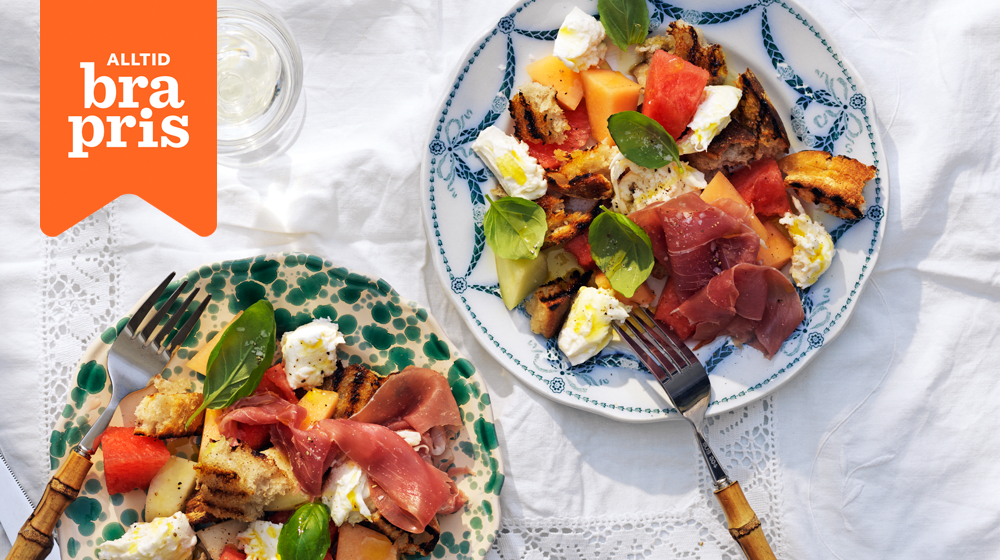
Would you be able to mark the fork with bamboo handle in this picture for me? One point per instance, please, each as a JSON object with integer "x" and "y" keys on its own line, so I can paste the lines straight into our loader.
{"x": 688, "y": 388}
{"x": 134, "y": 358}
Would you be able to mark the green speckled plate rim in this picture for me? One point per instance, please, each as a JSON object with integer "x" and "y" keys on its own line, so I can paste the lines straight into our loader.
{"x": 381, "y": 329}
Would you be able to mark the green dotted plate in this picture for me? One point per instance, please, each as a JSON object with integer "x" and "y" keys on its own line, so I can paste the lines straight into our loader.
{"x": 381, "y": 329}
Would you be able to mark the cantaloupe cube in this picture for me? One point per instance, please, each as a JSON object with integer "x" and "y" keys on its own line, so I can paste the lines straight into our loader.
{"x": 607, "y": 92}
{"x": 779, "y": 247}
{"x": 550, "y": 71}
{"x": 720, "y": 187}
{"x": 355, "y": 542}
{"x": 199, "y": 362}
{"x": 210, "y": 429}
{"x": 319, "y": 405}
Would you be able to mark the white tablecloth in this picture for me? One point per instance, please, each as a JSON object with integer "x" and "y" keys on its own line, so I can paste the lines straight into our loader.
{"x": 884, "y": 447}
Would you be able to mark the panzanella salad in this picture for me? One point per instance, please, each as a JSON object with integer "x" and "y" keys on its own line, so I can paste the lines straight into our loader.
{"x": 300, "y": 457}
{"x": 643, "y": 170}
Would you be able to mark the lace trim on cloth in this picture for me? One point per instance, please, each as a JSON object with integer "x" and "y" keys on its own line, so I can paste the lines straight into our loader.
{"x": 745, "y": 442}
{"x": 80, "y": 288}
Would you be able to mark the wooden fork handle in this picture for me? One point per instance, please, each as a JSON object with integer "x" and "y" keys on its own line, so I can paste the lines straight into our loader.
{"x": 34, "y": 540}
{"x": 743, "y": 523}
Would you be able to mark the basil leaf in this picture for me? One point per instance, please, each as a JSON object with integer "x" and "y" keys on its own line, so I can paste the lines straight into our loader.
{"x": 622, "y": 250}
{"x": 643, "y": 140}
{"x": 238, "y": 362}
{"x": 515, "y": 227}
{"x": 626, "y": 22}
{"x": 306, "y": 535}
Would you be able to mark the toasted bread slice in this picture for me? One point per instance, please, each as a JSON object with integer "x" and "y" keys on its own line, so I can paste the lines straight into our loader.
{"x": 354, "y": 385}
{"x": 173, "y": 386}
{"x": 551, "y": 302}
{"x": 586, "y": 174}
{"x": 832, "y": 182}
{"x": 755, "y": 132}
{"x": 537, "y": 117}
{"x": 687, "y": 42}
{"x": 237, "y": 482}
{"x": 164, "y": 416}
{"x": 408, "y": 543}
{"x": 563, "y": 223}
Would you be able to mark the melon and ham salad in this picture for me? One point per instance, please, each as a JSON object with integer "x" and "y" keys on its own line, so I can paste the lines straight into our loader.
{"x": 722, "y": 224}
{"x": 349, "y": 462}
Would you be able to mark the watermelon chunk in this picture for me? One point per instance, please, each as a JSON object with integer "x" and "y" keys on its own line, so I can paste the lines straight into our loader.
{"x": 576, "y": 137}
{"x": 275, "y": 381}
{"x": 580, "y": 247}
{"x": 666, "y": 312}
{"x": 761, "y": 186}
{"x": 674, "y": 88}
{"x": 229, "y": 552}
{"x": 131, "y": 461}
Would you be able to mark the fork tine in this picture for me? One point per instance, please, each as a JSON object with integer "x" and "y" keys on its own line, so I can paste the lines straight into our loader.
{"x": 672, "y": 362}
{"x": 147, "y": 331}
{"x": 668, "y": 338}
{"x": 140, "y": 314}
{"x": 162, "y": 334}
{"x": 188, "y": 326}
{"x": 644, "y": 356}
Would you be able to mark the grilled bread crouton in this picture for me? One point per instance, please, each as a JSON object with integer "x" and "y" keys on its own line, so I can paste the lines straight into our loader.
{"x": 551, "y": 302}
{"x": 832, "y": 182}
{"x": 685, "y": 41}
{"x": 565, "y": 218}
{"x": 408, "y": 543}
{"x": 237, "y": 482}
{"x": 586, "y": 174}
{"x": 164, "y": 415}
{"x": 354, "y": 385}
{"x": 755, "y": 132}
{"x": 173, "y": 386}
{"x": 538, "y": 119}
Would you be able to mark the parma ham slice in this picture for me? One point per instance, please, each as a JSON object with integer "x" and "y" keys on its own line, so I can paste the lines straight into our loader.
{"x": 416, "y": 399}
{"x": 415, "y": 490}
{"x": 752, "y": 304}
{"x": 703, "y": 240}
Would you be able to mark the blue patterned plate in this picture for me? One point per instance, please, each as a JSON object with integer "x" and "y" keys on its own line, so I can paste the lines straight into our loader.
{"x": 824, "y": 106}
{"x": 382, "y": 330}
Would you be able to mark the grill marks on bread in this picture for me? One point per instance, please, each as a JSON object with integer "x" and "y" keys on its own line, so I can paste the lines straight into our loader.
{"x": 354, "y": 385}
{"x": 687, "y": 42}
{"x": 551, "y": 302}
{"x": 832, "y": 182}
{"x": 755, "y": 132}
{"x": 537, "y": 117}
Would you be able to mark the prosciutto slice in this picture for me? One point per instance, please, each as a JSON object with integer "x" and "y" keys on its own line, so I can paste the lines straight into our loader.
{"x": 412, "y": 491}
{"x": 310, "y": 452}
{"x": 702, "y": 241}
{"x": 749, "y": 303}
{"x": 416, "y": 398}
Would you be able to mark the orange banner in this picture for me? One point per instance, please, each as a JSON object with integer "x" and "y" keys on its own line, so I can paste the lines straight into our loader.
{"x": 128, "y": 107}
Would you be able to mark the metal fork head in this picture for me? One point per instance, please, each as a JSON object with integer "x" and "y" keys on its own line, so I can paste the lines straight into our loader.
{"x": 679, "y": 372}
{"x": 138, "y": 355}
{"x": 673, "y": 364}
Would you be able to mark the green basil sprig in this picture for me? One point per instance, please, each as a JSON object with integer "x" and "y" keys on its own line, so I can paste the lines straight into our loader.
{"x": 622, "y": 250}
{"x": 306, "y": 535}
{"x": 625, "y": 21}
{"x": 515, "y": 227}
{"x": 643, "y": 140}
{"x": 238, "y": 362}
